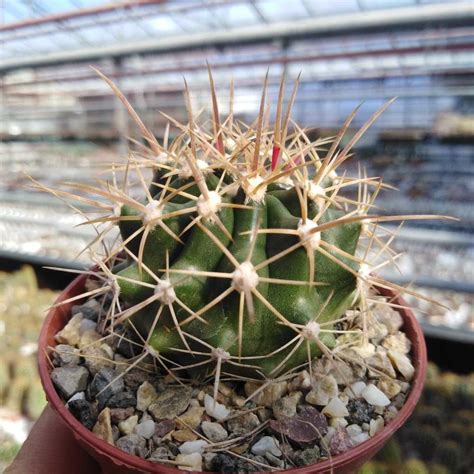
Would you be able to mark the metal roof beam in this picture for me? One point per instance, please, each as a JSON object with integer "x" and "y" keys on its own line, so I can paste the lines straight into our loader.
{"x": 379, "y": 20}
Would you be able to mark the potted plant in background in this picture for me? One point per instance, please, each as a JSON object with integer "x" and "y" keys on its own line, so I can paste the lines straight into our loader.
{"x": 239, "y": 323}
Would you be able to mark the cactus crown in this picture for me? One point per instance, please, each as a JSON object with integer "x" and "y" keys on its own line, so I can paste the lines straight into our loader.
{"x": 242, "y": 255}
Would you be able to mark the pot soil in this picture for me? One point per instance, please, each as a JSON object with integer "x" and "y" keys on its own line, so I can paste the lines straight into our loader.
{"x": 114, "y": 460}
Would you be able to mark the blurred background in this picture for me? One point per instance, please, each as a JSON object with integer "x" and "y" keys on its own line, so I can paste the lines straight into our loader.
{"x": 60, "y": 122}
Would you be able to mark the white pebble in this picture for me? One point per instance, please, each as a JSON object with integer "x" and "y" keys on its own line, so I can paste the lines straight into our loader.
{"x": 376, "y": 426}
{"x": 76, "y": 396}
{"x": 356, "y": 389}
{"x": 374, "y": 396}
{"x": 215, "y": 409}
{"x": 353, "y": 430}
{"x": 265, "y": 445}
{"x": 360, "y": 438}
{"x": 189, "y": 462}
{"x": 191, "y": 447}
{"x": 335, "y": 408}
{"x": 145, "y": 429}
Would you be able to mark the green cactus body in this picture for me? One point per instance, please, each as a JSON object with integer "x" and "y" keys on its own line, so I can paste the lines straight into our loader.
{"x": 260, "y": 339}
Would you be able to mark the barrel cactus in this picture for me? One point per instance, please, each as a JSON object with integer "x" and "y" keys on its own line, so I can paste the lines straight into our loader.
{"x": 242, "y": 255}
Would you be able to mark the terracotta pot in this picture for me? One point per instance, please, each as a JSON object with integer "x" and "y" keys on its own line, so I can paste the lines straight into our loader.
{"x": 113, "y": 460}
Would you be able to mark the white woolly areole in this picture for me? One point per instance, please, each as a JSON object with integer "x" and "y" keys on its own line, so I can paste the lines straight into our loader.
{"x": 186, "y": 172}
{"x": 117, "y": 210}
{"x": 219, "y": 353}
{"x": 253, "y": 192}
{"x": 162, "y": 158}
{"x": 208, "y": 207}
{"x": 315, "y": 191}
{"x": 311, "y": 239}
{"x": 113, "y": 283}
{"x": 364, "y": 270}
{"x": 152, "y": 212}
{"x": 245, "y": 277}
{"x": 165, "y": 292}
{"x": 311, "y": 331}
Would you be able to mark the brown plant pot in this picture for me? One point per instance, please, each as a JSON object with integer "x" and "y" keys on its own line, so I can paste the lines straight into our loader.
{"x": 114, "y": 461}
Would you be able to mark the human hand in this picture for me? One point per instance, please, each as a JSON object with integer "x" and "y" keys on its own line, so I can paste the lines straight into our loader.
{"x": 52, "y": 449}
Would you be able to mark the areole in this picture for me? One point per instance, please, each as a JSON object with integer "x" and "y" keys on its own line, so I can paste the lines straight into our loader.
{"x": 114, "y": 461}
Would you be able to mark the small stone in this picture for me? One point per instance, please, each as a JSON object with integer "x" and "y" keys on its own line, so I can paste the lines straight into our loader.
{"x": 146, "y": 429}
{"x": 390, "y": 318}
{"x": 353, "y": 430}
{"x": 266, "y": 444}
{"x": 215, "y": 409}
{"x": 242, "y": 424}
{"x": 134, "y": 378}
{"x": 122, "y": 400}
{"x": 360, "y": 438}
{"x": 127, "y": 426}
{"x": 89, "y": 310}
{"x": 82, "y": 410}
{"x": 342, "y": 371}
{"x": 191, "y": 418}
{"x": 115, "y": 433}
{"x": 403, "y": 364}
{"x": 106, "y": 382}
{"x": 70, "y": 380}
{"x": 274, "y": 461}
{"x": 264, "y": 414}
{"x": 120, "y": 414}
{"x": 190, "y": 447}
{"x": 189, "y": 462}
{"x": 224, "y": 463}
{"x": 397, "y": 342}
{"x": 374, "y": 396}
{"x": 324, "y": 389}
{"x": 301, "y": 382}
{"x": 207, "y": 461}
{"x": 214, "y": 432}
{"x": 355, "y": 390}
{"x": 170, "y": 403}
{"x": 161, "y": 453}
{"x": 307, "y": 456}
{"x": 380, "y": 362}
{"x": 87, "y": 325}
{"x": 390, "y": 387}
{"x": 164, "y": 427}
{"x": 66, "y": 355}
{"x": 389, "y": 414}
{"x": 70, "y": 333}
{"x": 338, "y": 421}
{"x": 309, "y": 425}
{"x": 146, "y": 395}
{"x": 359, "y": 411}
{"x": 365, "y": 426}
{"x": 132, "y": 444}
{"x": 376, "y": 331}
{"x": 98, "y": 357}
{"x": 269, "y": 395}
{"x": 364, "y": 350}
{"x": 76, "y": 396}
{"x": 340, "y": 441}
{"x": 103, "y": 427}
{"x": 183, "y": 435}
{"x": 285, "y": 407}
{"x": 376, "y": 426}
{"x": 335, "y": 408}
{"x": 89, "y": 338}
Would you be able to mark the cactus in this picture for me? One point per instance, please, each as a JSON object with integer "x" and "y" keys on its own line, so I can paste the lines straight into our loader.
{"x": 243, "y": 253}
